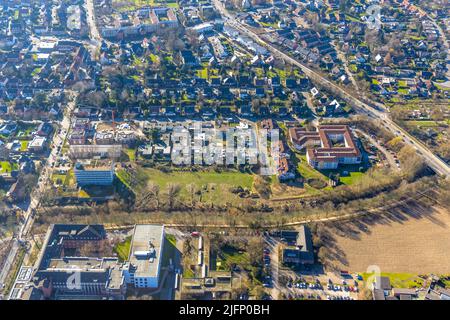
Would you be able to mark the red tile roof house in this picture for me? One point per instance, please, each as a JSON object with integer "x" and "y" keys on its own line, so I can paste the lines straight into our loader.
{"x": 328, "y": 147}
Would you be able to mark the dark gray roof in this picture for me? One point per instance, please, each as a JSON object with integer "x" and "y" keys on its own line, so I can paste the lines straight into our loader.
{"x": 378, "y": 294}
{"x": 382, "y": 283}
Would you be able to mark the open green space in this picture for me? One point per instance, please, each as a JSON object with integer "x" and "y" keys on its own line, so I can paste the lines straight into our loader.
{"x": 398, "y": 280}
{"x": 23, "y": 145}
{"x": 123, "y": 249}
{"x": 131, "y": 153}
{"x": 227, "y": 257}
{"x": 210, "y": 186}
{"x": 423, "y": 123}
{"x": 66, "y": 179}
{"x": 170, "y": 243}
{"x": 129, "y": 5}
{"x": 6, "y": 166}
{"x": 348, "y": 174}
{"x": 231, "y": 178}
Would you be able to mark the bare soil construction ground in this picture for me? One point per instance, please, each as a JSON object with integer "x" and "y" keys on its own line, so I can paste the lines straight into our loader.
{"x": 409, "y": 239}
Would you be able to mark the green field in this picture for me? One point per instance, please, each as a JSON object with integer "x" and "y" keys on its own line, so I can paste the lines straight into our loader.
{"x": 228, "y": 256}
{"x": 351, "y": 178}
{"x": 131, "y": 153}
{"x": 6, "y": 167}
{"x": 423, "y": 123}
{"x": 23, "y": 145}
{"x": 230, "y": 178}
{"x": 67, "y": 179}
{"x": 398, "y": 280}
{"x": 129, "y": 5}
{"x": 170, "y": 246}
{"x": 123, "y": 249}
{"x": 202, "y": 73}
{"x": 307, "y": 172}
{"x": 213, "y": 186}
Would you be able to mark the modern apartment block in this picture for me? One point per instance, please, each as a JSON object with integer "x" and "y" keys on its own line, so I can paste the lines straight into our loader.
{"x": 96, "y": 172}
{"x": 144, "y": 265}
{"x": 328, "y": 147}
{"x": 61, "y": 273}
{"x": 72, "y": 265}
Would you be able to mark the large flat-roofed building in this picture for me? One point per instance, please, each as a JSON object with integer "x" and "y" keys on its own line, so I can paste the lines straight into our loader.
{"x": 144, "y": 265}
{"x": 96, "y": 172}
{"x": 61, "y": 273}
{"x": 299, "y": 248}
{"x": 37, "y": 144}
{"x": 328, "y": 147}
{"x": 77, "y": 262}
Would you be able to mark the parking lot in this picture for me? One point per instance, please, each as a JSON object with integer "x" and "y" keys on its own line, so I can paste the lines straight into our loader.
{"x": 300, "y": 289}
{"x": 309, "y": 282}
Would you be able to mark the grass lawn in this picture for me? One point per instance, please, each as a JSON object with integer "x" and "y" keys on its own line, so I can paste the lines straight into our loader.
{"x": 154, "y": 58}
{"x": 6, "y": 167}
{"x": 351, "y": 178}
{"x": 307, "y": 172}
{"x": 36, "y": 71}
{"x": 23, "y": 145}
{"x": 215, "y": 185}
{"x": 202, "y": 73}
{"x": 67, "y": 179}
{"x": 170, "y": 243}
{"x": 56, "y": 178}
{"x": 188, "y": 273}
{"x": 228, "y": 256}
{"x": 123, "y": 249}
{"x": 131, "y": 153}
{"x": 402, "y": 84}
{"x": 233, "y": 256}
{"x": 232, "y": 178}
{"x": 398, "y": 280}
{"x": 424, "y": 123}
{"x": 129, "y": 5}
{"x": 353, "y": 67}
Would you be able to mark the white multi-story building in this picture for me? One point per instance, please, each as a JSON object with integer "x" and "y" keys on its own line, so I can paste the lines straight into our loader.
{"x": 144, "y": 264}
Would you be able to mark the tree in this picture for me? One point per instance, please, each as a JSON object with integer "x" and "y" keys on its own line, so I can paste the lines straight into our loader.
{"x": 192, "y": 190}
{"x": 254, "y": 251}
{"x": 259, "y": 292}
{"x": 387, "y": 59}
{"x": 412, "y": 164}
{"x": 262, "y": 186}
{"x": 173, "y": 191}
{"x": 153, "y": 189}
{"x": 323, "y": 254}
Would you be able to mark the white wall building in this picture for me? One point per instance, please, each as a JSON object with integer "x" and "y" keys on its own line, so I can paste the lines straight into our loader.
{"x": 144, "y": 265}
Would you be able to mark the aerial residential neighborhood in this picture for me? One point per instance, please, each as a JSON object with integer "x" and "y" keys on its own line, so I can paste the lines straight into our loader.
{"x": 222, "y": 150}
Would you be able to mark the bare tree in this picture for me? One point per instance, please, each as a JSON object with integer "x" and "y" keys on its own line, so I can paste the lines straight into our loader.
{"x": 173, "y": 190}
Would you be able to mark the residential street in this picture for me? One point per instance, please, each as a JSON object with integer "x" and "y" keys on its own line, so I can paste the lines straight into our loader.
{"x": 433, "y": 161}
{"x": 46, "y": 173}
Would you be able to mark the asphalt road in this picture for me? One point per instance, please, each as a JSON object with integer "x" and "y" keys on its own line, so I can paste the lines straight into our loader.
{"x": 431, "y": 159}
{"x": 45, "y": 175}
